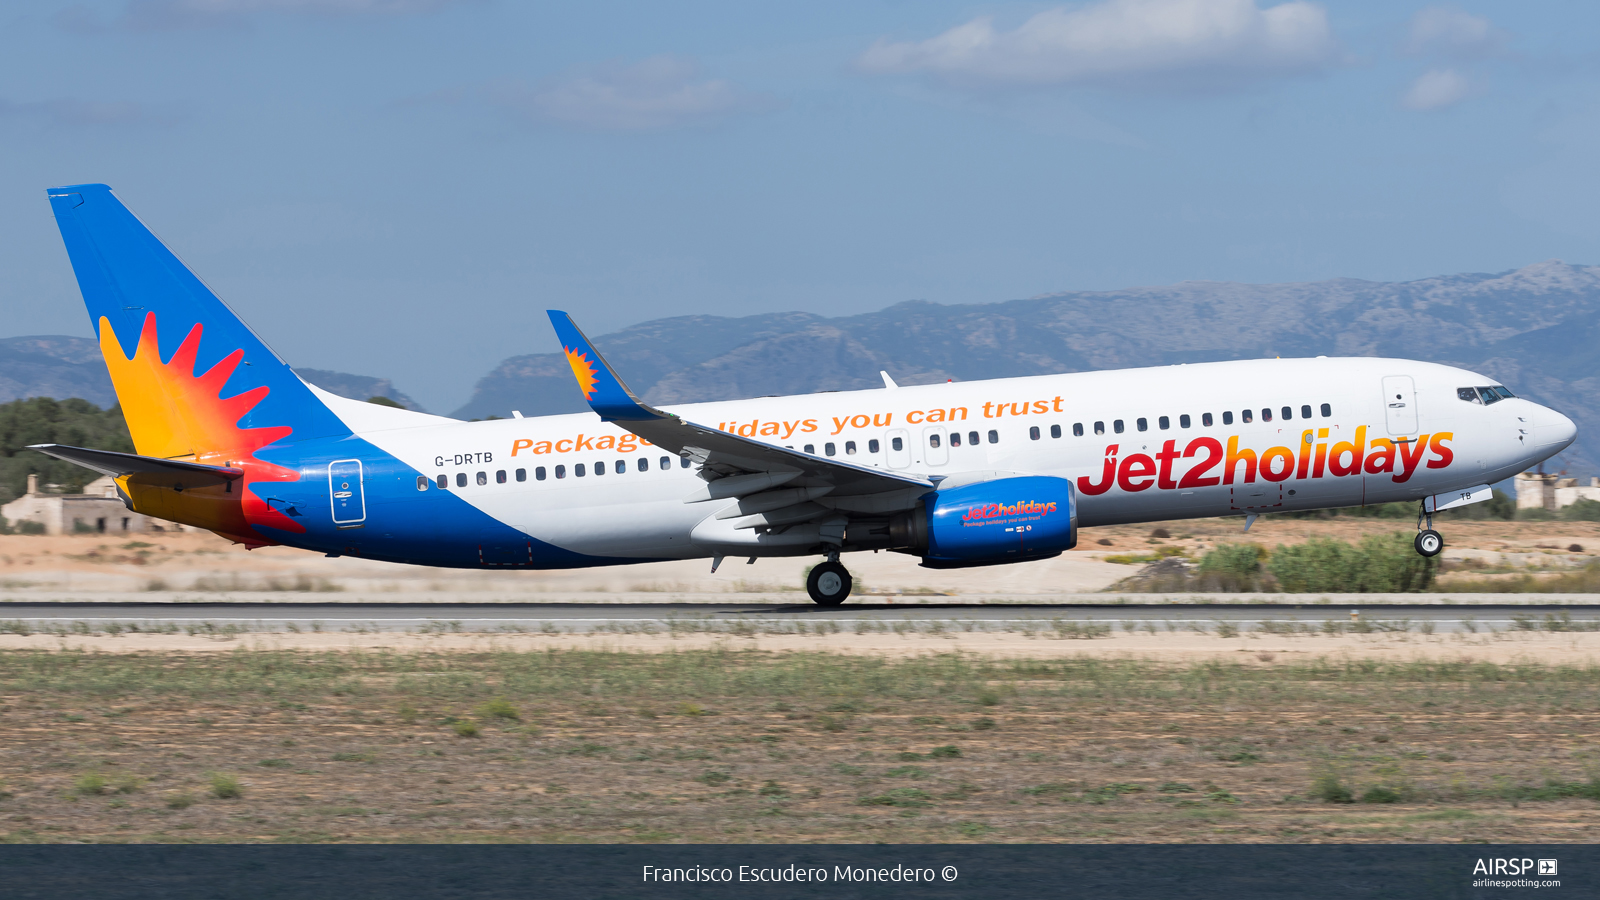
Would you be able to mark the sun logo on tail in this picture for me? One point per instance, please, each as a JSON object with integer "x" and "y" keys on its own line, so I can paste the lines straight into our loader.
{"x": 174, "y": 413}
{"x": 584, "y": 370}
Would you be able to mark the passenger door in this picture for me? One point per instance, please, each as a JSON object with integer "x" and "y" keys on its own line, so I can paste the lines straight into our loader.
{"x": 1400, "y": 404}
{"x": 345, "y": 493}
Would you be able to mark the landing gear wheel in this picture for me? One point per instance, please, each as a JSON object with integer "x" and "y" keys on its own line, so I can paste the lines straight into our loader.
{"x": 1429, "y": 543}
{"x": 828, "y": 584}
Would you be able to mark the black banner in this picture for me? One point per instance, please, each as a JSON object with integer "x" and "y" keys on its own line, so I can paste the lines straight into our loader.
{"x": 446, "y": 872}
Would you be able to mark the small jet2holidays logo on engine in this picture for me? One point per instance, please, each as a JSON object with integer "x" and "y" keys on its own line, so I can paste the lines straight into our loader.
{"x": 978, "y": 514}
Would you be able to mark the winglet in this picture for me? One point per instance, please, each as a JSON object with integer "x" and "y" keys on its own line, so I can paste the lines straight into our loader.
{"x": 606, "y": 393}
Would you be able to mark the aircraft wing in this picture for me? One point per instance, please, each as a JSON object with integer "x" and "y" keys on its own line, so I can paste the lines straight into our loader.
{"x": 727, "y": 455}
{"x": 110, "y": 462}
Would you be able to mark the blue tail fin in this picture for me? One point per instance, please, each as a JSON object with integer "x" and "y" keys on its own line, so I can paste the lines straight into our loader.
{"x": 193, "y": 380}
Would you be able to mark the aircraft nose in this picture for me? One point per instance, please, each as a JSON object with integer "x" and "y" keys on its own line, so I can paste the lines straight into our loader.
{"x": 1553, "y": 430}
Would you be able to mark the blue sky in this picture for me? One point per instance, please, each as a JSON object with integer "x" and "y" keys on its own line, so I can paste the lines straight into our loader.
{"x": 401, "y": 187}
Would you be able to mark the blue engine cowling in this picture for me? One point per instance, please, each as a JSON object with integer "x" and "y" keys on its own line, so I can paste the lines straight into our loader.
{"x": 1000, "y": 521}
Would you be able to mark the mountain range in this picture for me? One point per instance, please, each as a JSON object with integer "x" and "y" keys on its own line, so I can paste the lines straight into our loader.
{"x": 1535, "y": 329}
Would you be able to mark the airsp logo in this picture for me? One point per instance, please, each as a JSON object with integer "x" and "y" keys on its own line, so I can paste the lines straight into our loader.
{"x": 1512, "y": 867}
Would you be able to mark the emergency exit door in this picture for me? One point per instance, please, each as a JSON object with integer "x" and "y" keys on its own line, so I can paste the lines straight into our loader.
{"x": 346, "y": 497}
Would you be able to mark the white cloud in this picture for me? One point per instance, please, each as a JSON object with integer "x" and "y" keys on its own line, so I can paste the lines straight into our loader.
{"x": 1450, "y": 32}
{"x": 1436, "y": 89}
{"x": 654, "y": 94}
{"x": 1125, "y": 43}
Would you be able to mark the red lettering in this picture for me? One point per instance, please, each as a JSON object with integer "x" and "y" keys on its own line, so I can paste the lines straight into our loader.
{"x": 1446, "y": 456}
{"x": 1235, "y": 456}
{"x": 1410, "y": 454}
{"x": 1354, "y": 449}
{"x": 1269, "y": 471}
{"x": 1213, "y": 448}
{"x": 1108, "y": 476}
{"x": 1137, "y": 473}
{"x": 1169, "y": 452}
{"x": 1382, "y": 460}
{"x": 1305, "y": 455}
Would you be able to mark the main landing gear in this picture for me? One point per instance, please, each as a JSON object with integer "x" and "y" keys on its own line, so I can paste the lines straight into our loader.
{"x": 829, "y": 583}
{"x": 1429, "y": 543}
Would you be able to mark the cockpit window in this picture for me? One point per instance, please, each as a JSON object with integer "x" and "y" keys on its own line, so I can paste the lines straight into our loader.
{"x": 1468, "y": 394}
{"x": 1493, "y": 394}
{"x": 1504, "y": 393}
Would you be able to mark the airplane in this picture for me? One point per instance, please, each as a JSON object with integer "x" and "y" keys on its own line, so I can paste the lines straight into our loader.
{"x": 964, "y": 474}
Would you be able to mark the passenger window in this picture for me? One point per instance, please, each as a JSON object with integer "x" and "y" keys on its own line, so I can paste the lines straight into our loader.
{"x": 873, "y": 445}
{"x": 1468, "y": 394}
{"x": 1305, "y": 411}
{"x": 1327, "y": 410}
{"x": 422, "y": 482}
{"x": 1116, "y": 425}
{"x": 461, "y": 479}
{"x": 600, "y": 468}
{"x": 538, "y": 473}
{"x": 683, "y": 462}
{"x": 933, "y": 441}
{"x": 1077, "y": 429}
{"x": 500, "y": 477}
{"x": 994, "y": 436}
{"x": 522, "y": 474}
{"x": 577, "y": 470}
{"x": 443, "y": 481}
{"x": 894, "y": 444}
{"x": 1055, "y": 431}
{"x": 1165, "y": 423}
{"x": 1205, "y": 420}
{"x": 955, "y": 438}
{"x": 1288, "y": 413}
{"x": 483, "y": 478}
{"x": 1099, "y": 428}
{"x": 829, "y": 449}
{"x": 1142, "y": 424}
{"x": 622, "y": 466}
{"x": 1266, "y": 414}
{"x": 850, "y": 446}
{"x": 1227, "y": 418}
{"x": 811, "y": 449}
{"x": 666, "y": 463}
{"x": 642, "y": 465}
{"x": 1033, "y": 433}
{"x": 1183, "y": 421}
{"x": 561, "y": 471}
{"x": 972, "y": 439}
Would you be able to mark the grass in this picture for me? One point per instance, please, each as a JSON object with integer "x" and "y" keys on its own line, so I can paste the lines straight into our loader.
{"x": 1067, "y": 748}
{"x": 225, "y": 786}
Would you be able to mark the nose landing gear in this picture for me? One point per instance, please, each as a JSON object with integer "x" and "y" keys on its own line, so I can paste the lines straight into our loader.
{"x": 1429, "y": 543}
{"x": 829, "y": 583}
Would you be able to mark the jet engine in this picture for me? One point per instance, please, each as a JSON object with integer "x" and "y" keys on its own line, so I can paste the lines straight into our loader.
{"x": 1000, "y": 521}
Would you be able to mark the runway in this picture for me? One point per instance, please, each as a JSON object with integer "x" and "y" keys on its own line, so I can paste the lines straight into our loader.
{"x": 85, "y": 618}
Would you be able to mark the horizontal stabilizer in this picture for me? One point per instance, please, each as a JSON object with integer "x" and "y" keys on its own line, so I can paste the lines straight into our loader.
{"x": 110, "y": 462}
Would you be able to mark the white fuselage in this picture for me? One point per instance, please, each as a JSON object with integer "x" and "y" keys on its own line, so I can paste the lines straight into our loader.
{"x": 1416, "y": 437}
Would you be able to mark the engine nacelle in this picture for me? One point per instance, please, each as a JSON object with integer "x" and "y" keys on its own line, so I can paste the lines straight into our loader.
{"x": 1000, "y": 521}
